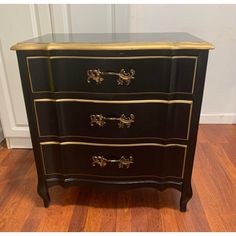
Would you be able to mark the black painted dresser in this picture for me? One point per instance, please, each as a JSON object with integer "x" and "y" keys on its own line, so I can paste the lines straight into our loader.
{"x": 114, "y": 110}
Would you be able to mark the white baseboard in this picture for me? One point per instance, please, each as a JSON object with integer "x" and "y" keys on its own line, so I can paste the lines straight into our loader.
{"x": 1, "y": 135}
{"x": 219, "y": 118}
{"x": 18, "y": 143}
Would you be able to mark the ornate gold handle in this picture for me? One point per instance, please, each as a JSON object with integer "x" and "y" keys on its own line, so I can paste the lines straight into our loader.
{"x": 122, "y": 162}
{"x": 124, "y": 78}
{"x": 100, "y": 120}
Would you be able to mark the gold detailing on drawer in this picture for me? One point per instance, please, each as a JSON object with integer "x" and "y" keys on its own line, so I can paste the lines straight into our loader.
{"x": 124, "y": 78}
{"x": 122, "y": 162}
{"x": 190, "y": 102}
{"x": 113, "y": 144}
{"x": 112, "y": 58}
{"x": 42, "y": 144}
{"x": 124, "y": 121}
{"x": 113, "y": 101}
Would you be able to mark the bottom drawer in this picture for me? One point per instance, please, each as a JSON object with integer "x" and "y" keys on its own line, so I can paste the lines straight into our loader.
{"x": 113, "y": 160}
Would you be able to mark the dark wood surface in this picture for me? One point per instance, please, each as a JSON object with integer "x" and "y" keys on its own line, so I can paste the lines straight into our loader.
{"x": 212, "y": 207}
{"x": 115, "y": 38}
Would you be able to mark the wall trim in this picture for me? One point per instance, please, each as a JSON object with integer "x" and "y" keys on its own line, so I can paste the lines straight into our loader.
{"x": 113, "y": 18}
{"x": 120, "y": 18}
{"x": 66, "y": 16}
{"x": 218, "y": 118}
{"x": 18, "y": 143}
{"x": 34, "y": 19}
{"x": 1, "y": 134}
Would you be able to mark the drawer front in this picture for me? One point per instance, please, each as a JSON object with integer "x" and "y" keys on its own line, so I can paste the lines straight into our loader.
{"x": 113, "y": 160}
{"x": 149, "y": 74}
{"x": 113, "y": 119}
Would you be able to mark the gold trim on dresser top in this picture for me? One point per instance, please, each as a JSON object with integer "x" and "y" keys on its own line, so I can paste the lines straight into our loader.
{"x": 113, "y": 102}
{"x": 128, "y": 57}
{"x": 114, "y": 145}
{"x": 113, "y": 46}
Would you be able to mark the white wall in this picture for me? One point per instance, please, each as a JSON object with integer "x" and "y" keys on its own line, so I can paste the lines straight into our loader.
{"x": 21, "y": 22}
{"x": 214, "y": 23}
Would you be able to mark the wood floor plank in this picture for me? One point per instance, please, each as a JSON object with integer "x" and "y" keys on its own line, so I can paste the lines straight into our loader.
{"x": 94, "y": 214}
{"x": 216, "y": 193}
{"x": 78, "y": 220}
{"x": 78, "y": 209}
{"x": 139, "y": 219}
{"x": 123, "y": 216}
{"x": 168, "y": 208}
{"x": 13, "y": 200}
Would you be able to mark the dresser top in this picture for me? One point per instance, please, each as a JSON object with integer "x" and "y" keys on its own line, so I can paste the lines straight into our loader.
{"x": 118, "y": 41}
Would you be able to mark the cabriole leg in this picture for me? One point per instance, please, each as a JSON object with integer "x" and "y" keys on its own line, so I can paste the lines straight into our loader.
{"x": 43, "y": 193}
{"x": 186, "y": 195}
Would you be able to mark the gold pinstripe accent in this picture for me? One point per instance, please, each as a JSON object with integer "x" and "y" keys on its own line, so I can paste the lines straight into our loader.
{"x": 113, "y": 144}
{"x": 113, "y": 46}
{"x": 112, "y": 101}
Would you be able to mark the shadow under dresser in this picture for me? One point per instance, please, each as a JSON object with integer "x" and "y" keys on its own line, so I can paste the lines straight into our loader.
{"x": 114, "y": 110}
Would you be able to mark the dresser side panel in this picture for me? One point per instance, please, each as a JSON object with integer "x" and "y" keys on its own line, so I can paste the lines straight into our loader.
{"x": 197, "y": 103}
{"x": 28, "y": 98}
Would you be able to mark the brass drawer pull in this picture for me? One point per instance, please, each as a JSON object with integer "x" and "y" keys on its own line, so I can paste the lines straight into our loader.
{"x": 100, "y": 120}
{"x": 122, "y": 162}
{"x": 124, "y": 78}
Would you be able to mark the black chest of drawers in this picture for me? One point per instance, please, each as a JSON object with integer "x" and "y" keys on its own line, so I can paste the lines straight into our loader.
{"x": 114, "y": 110}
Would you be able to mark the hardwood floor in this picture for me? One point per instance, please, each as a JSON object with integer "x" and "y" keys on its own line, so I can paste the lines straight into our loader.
{"x": 212, "y": 208}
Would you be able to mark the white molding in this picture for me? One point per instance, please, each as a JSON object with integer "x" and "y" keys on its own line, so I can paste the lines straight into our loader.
{"x": 18, "y": 143}
{"x": 113, "y": 18}
{"x": 66, "y": 18}
{"x": 218, "y": 118}
{"x": 60, "y": 17}
{"x": 43, "y": 19}
{"x": 1, "y": 134}
{"x": 51, "y": 18}
{"x": 34, "y": 19}
{"x": 120, "y": 18}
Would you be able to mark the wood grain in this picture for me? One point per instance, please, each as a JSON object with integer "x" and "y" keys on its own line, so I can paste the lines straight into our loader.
{"x": 212, "y": 207}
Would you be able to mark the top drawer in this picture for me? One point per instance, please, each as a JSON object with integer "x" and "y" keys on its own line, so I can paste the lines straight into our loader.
{"x": 142, "y": 74}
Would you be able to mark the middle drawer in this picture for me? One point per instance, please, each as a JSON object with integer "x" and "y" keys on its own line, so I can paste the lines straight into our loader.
{"x": 164, "y": 119}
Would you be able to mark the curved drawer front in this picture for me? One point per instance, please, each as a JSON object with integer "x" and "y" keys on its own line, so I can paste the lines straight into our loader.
{"x": 147, "y": 74}
{"x": 113, "y": 160}
{"x": 113, "y": 119}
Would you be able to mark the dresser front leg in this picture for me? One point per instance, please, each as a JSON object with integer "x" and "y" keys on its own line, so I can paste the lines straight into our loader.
{"x": 186, "y": 195}
{"x": 43, "y": 193}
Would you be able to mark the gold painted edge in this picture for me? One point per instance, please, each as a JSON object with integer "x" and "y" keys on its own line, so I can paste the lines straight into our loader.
{"x": 113, "y": 144}
{"x": 110, "y": 57}
{"x": 112, "y": 101}
{"x": 113, "y": 46}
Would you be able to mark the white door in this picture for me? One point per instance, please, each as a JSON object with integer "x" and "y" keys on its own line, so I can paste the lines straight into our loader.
{"x": 21, "y": 22}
